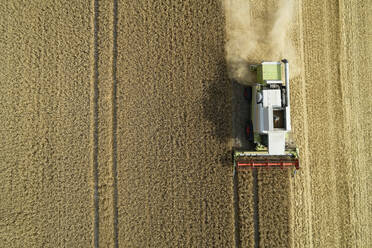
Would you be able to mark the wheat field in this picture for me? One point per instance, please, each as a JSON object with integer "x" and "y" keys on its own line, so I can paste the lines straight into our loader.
{"x": 117, "y": 127}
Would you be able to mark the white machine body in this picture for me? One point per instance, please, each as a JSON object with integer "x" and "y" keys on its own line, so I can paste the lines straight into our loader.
{"x": 271, "y": 112}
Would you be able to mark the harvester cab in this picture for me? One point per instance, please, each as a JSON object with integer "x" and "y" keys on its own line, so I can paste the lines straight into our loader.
{"x": 270, "y": 122}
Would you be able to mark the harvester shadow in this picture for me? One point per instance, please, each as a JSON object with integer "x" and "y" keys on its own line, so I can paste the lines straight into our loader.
{"x": 241, "y": 103}
{"x": 225, "y": 107}
{"x": 217, "y": 110}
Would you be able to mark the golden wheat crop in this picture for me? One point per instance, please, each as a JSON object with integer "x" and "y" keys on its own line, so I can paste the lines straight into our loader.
{"x": 117, "y": 121}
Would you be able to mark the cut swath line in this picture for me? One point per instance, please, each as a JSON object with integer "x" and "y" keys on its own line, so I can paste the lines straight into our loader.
{"x": 236, "y": 208}
{"x": 114, "y": 123}
{"x": 306, "y": 168}
{"x": 94, "y": 121}
{"x": 255, "y": 209}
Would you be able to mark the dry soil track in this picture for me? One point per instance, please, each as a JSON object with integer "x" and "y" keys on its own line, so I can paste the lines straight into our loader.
{"x": 115, "y": 124}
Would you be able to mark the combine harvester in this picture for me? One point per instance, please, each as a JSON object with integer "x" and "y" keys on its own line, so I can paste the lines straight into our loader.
{"x": 270, "y": 124}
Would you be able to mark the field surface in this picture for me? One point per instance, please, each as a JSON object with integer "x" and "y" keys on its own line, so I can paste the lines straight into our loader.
{"x": 117, "y": 122}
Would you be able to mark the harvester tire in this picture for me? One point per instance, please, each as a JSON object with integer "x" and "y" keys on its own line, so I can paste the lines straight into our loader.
{"x": 249, "y": 131}
{"x": 248, "y": 93}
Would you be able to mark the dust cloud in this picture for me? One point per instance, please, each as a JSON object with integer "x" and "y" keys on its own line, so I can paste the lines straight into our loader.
{"x": 254, "y": 36}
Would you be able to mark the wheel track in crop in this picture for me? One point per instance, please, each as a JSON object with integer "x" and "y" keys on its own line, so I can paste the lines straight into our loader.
{"x": 94, "y": 124}
{"x": 104, "y": 122}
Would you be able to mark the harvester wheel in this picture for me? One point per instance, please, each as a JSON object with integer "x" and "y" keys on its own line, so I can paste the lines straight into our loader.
{"x": 249, "y": 131}
{"x": 248, "y": 93}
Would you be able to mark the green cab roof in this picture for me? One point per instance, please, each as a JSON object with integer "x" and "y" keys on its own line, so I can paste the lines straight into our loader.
{"x": 269, "y": 71}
